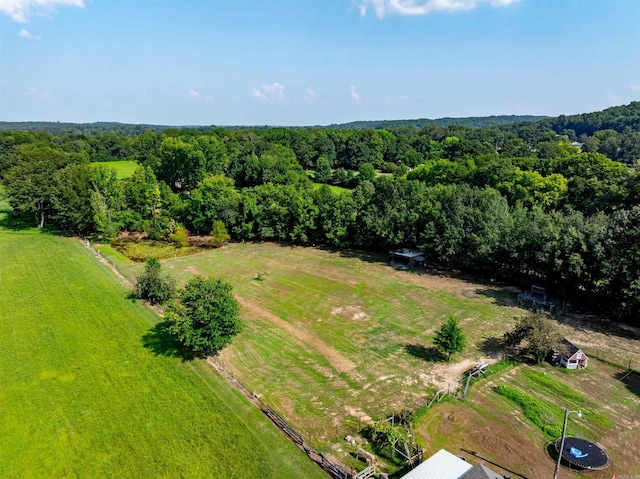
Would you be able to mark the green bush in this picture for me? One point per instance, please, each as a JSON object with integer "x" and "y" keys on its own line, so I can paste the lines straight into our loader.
{"x": 179, "y": 237}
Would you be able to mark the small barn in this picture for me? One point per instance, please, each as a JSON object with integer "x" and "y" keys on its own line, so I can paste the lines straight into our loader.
{"x": 575, "y": 357}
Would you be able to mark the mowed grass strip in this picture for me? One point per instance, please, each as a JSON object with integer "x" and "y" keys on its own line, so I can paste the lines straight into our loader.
{"x": 89, "y": 389}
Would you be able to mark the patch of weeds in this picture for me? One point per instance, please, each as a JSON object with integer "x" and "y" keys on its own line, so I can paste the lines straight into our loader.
{"x": 141, "y": 250}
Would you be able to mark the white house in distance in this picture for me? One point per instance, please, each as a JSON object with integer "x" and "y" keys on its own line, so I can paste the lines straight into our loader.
{"x": 444, "y": 465}
{"x": 575, "y": 358}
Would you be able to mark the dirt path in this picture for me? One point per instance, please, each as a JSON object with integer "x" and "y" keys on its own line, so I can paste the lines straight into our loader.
{"x": 337, "y": 360}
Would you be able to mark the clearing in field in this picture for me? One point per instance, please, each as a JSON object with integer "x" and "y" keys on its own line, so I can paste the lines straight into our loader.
{"x": 87, "y": 390}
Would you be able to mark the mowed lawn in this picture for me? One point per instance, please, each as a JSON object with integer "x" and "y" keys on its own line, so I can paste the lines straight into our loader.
{"x": 334, "y": 339}
{"x": 87, "y": 389}
{"x": 124, "y": 169}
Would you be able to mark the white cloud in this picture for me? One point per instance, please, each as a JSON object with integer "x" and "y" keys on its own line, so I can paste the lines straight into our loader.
{"x": 383, "y": 8}
{"x": 27, "y": 34}
{"x": 354, "y": 94}
{"x": 635, "y": 87}
{"x": 614, "y": 99}
{"x": 274, "y": 91}
{"x": 310, "y": 95}
{"x": 193, "y": 93}
{"x": 21, "y": 10}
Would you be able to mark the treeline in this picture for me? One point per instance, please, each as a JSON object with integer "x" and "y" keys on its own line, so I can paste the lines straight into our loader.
{"x": 520, "y": 203}
{"x": 61, "y": 128}
{"x": 469, "y": 122}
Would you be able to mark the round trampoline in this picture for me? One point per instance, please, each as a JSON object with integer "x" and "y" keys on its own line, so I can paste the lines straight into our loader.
{"x": 583, "y": 454}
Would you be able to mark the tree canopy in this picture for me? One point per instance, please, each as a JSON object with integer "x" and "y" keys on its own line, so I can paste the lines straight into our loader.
{"x": 449, "y": 339}
{"x": 154, "y": 286}
{"x": 204, "y": 316}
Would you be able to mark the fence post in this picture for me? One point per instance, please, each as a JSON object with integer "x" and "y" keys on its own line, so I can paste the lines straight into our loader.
{"x": 466, "y": 388}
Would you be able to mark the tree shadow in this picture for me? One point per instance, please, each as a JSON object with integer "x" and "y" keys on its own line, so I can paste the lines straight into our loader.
{"x": 477, "y": 456}
{"x": 162, "y": 343}
{"x": 631, "y": 380}
{"x": 501, "y": 297}
{"x": 492, "y": 346}
{"x": 426, "y": 354}
{"x": 131, "y": 296}
{"x": 16, "y": 223}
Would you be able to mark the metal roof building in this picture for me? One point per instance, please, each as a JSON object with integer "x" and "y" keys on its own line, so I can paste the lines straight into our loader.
{"x": 442, "y": 465}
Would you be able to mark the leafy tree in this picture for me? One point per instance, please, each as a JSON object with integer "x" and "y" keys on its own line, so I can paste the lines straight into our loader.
{"x": 215, "y": 198}
{"x": 153, "y": 286}
{"x": 366, "y": 172}
{"x": 449, "y": 339}
{"x": 219, "y": 234}
{"x": 142, "y": 194}
{"x": 72, "y": 200}
{"x": 534, "y": 335}
{"x": 28, "y": 182}
{"x": 204, "y": 316}
{"x": 323, "y": 170}
{"x": 107, "y": 202}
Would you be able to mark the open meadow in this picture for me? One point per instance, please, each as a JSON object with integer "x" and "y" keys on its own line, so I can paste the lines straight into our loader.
{"x": 88, "y": 390}
{"x": 334, "y": 340}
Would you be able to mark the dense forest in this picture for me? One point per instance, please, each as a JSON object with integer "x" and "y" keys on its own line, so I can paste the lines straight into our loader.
{"x": 553, "y": 202}
{"x": 57, "y": 128}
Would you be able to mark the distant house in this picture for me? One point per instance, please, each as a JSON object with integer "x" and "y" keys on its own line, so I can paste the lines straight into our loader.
{"x": 444, "y": 465}
{"x": 575, "y": 358}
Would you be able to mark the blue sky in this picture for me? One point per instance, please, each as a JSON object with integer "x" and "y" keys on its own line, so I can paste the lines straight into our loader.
{"x": 309, "y": 62}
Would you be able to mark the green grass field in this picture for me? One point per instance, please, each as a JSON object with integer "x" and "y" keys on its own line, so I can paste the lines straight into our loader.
{"x": 88, "y": 387}
{"x": 124, "y": 169}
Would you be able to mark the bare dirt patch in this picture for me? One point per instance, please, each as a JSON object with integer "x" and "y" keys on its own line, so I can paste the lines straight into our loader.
{"x": 193, "y": 270}
{"x": 355, "y": 313}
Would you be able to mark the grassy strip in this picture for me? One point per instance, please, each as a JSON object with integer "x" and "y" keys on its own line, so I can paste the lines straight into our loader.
{"x": 546, "y": 416}
{"x": 554, "y": 386}
{"x": 111, "y": 253}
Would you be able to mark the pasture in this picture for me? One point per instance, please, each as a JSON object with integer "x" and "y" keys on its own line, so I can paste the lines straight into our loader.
{"x": 89, "y": 388}
{"x": 334, "y": 340}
